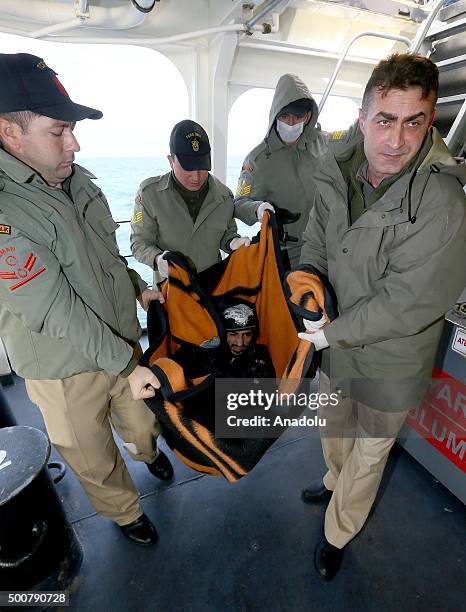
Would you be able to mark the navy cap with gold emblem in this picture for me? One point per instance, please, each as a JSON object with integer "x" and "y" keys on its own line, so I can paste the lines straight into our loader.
{"x": 190, "y": 143}
{"x": 28, "y": 84}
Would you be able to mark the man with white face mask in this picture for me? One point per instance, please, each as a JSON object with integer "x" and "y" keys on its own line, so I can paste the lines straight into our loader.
{"x": 279, "y": 171}
{"x": 292, "y": 119}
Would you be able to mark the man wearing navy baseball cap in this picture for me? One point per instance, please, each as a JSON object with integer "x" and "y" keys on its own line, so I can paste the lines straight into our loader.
{"x": 67, "y": 298}
{"x": 186, "y": 210}
{"x": 190, "y": 144}
{"x": 29, "y": 84}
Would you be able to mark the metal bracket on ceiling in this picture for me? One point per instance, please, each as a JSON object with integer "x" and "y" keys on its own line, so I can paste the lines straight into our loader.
{"x": 263, "y": 10}
{"x": 81, "y": 8}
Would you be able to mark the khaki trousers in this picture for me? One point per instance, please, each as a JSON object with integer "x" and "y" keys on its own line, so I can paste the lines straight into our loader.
{"x": 355, "y": 457}
{"x": 78, "y": 412}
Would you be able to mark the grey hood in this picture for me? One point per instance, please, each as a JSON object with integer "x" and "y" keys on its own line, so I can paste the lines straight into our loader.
{"x": 289, "y": 89}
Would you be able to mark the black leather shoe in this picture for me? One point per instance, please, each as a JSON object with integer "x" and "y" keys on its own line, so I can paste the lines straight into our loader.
{"x": 316, "y": 492}
{"x": 141, "y": 531}
{"x": 161, "y": 468}
{"x": 327, "y": 559}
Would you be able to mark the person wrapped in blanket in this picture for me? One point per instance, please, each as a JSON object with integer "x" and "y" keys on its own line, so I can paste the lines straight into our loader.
{"x": 238, "y": 355}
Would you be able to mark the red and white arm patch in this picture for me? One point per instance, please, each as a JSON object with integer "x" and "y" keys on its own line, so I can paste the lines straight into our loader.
{"x": 11, "y": 269}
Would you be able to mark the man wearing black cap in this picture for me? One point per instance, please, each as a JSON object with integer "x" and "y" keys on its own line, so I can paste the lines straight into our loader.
{"x": 67, "y": 298}
{"x": 279, "y": 171}
{"x": 186, "y": 210}
{"x": 241, "y": 356}
{"x": 238, "y": 356}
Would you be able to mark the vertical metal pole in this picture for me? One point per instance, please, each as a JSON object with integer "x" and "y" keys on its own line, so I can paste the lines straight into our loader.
{"x": 326, "y": 93}
{"x": 422, "y": 32}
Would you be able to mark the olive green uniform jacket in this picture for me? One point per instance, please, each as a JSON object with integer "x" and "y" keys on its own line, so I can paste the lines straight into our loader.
{"x": 161, "y": 222}
{"x": 277, "y": 173}
{"x": 67, "y": 298}
{"x": 394, "y": 278}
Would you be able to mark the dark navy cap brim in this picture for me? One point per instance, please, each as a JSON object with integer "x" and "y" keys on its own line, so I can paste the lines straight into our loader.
{"x": 28, "y": 84}
{"x": 195, "y": 162}
{"x": 69, "y": 111}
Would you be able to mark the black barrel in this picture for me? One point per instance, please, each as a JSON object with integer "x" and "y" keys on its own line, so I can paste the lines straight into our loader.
{"x": 38, "y": 547}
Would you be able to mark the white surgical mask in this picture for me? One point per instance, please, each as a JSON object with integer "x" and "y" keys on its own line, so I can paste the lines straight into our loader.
{"x": 289, "y": 133}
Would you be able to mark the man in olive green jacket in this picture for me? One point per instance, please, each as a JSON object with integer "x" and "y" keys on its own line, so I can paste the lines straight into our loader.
{"x": 388, "y": 228}
{"x": 280, "y": 170}
{"x": 187, "y": 210}
{"x": 68, "y": 299}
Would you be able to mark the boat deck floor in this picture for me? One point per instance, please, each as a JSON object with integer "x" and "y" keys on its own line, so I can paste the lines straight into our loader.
{"x": 249, "y": 546}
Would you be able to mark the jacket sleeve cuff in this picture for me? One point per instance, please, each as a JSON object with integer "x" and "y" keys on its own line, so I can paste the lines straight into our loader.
{"x": 154, "y": 261}
{"x": 133, "y": 362}
{"x": 247, "y": 211}
{"x": 129, "y": 368}
{"x": 225, "y": 246}
{"x": 138, "y": 283}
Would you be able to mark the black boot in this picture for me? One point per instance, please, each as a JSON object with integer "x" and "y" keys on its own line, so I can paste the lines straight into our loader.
{"x": 316, "y": 492}
{"x": 327, "y": 559}
{"x": 141, "y": 531}
{"x": 161, "y": 468}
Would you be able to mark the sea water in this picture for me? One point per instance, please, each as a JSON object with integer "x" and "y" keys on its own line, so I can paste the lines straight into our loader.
{"x": 120, "y": 177}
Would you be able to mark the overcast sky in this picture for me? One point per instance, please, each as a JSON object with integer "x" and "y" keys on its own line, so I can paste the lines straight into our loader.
{"x": 142, "y": 95}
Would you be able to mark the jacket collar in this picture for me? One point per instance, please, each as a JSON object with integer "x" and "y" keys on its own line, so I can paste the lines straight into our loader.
{"x": 164, "y": 182}
{"x": 437, "y": 154}
{"x": 392, "y": 207}
{"x": 20, "y": 172}
{"x": 440, "y": 156}
{"x": 213, "y": 199}
{"x": 86, "y": 172}
{"x": 17, "y": 170}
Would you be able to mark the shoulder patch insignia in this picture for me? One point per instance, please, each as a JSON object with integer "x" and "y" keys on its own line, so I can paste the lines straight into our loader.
{"x": 338, "y": 135}
{"x": 244, "y": 188}
{"x": 137, "y": 216}
{"x": 247, "y": 168}
{"x": 5, "y": 229}
{"x": 23, "y": 273}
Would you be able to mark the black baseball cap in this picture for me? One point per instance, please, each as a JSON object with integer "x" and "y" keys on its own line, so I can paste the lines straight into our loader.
{"x": 298, "y": 107}
{"x": 28, "y": 84}
{"x": 190, "y": 143}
